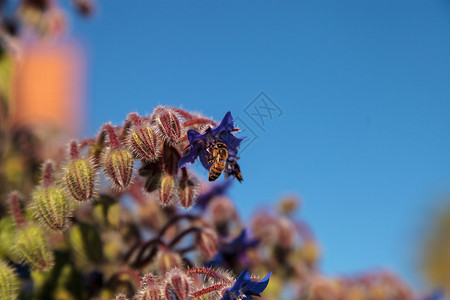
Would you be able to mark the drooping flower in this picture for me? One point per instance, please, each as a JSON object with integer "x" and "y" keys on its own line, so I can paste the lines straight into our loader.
{"x": 201, "y": 142}
{"x": 246, "y": 288}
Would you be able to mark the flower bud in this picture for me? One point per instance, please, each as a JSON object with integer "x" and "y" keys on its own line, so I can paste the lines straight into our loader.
{"x": 169, "y": 126}
{"x": 51, "y": 207}
{"x": 80, "y": 176}
{"x": 207, "y": 243}
{"x": 177, "y": 284}
{"x": 119, "y": 167}
{"x": 9, "y": 282}
{"x": 143, "y": 142}
{"x": 188, "y": 193}
{"x": 8, "y": 239}
{"x": 33, "y": 249}
{"x": 222, "y": 209}
{"x": 167, "y": 260}
{"x": 167, "y": 190}
{"x": 153, "y": 293}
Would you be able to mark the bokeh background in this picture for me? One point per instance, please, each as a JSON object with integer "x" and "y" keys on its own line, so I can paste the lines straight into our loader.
{"x": 363, "y": 86}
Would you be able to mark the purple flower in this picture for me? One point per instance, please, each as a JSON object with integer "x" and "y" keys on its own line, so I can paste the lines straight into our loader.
{"x": 245, "y": 288}
{"x": 200, "y": 142}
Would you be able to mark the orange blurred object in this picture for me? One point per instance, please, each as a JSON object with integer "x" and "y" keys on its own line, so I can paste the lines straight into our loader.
{"x": 48, "y": 87}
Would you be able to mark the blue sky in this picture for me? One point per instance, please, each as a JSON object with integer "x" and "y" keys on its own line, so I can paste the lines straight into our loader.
{"x": 363, "y": 86}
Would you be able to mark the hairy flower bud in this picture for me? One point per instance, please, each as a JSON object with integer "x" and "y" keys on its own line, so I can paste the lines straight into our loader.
{"x": 207, "y": 243}
{"x": 188, "y": 193}
{"x": 168, "y": 123}
{"x": 150, "y": 288}
{"x": 167, "y": 260}
{"x": 222, "y": 209}
{"x": 8, "y": 239}
{"x": 167, "y": 190}
{"x": 119, "y": 167}
{"x": 177, "y": 284}
{"x": 80, "y": 177}
{"x": 33, "y": 249}
{"x": 51, "y": 207}
{"x": 9, "y": 282}
{"x": 143, "y": 142}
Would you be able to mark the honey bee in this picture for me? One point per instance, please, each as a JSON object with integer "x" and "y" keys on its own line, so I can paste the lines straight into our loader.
{"x": 217, "y": 158}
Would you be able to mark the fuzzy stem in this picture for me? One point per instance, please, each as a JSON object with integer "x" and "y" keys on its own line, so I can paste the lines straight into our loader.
{"x": 199, "y": 121}
{"x": 74, "y": 153}
{"x": 47, "y": 174}
{"x": 210, "y": 289}
{"x": 113, "y": 139}
{"x": 182, "y": 112}
{"x": 207, "y": 272}
{"x": 16, "y": 210}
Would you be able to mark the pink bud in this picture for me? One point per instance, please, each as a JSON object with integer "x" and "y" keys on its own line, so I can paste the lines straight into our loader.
{"x": 168, "y": 189}
{"x": 207, "y": 243}
{"x": 167, "y": 260}
{"x": 168, "y": 124}
{"x": 177, "y": 284}
{"x": 188, "y": 193}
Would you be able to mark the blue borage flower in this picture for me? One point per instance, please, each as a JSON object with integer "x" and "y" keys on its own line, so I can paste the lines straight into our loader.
{"x": 199, "y": 143}
{"x": 246, "y": 288}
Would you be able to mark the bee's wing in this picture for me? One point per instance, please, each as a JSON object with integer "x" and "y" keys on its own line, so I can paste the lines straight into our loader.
{"x": 225, "y": 171}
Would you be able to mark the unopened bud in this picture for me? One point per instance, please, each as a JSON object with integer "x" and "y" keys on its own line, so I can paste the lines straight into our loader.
{"x": 177, "y": 284}
{"x": 222, "y": 209}
{"x": 167, "y": 260}
{"x": 8, "y": 239}
{"x": 80, "y": 177}
{"x": 188, "y": 193}
{"x": 51, "y": 207}
{"x": 9, "y": 282}
{"x": 150, "y": 289}
{"x": 153, "y": 293}
{"x": 119, "y": 167}
{"x": 168, "y": 124}
{"x": 167, "y": 190}
{"x": 144, "y": 143}
{"x": 33, "y": 249}
{"x": 207, "y": 243}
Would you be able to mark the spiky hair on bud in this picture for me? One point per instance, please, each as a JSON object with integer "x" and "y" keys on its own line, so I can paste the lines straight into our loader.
{"x": 178, "y": 284}
{"x": 189, "y": 190}
{"x": 151, "y": 288}
{"x": 9, "y": 282}
{"x": 142, "y": 139}
{"x": 168, "y": 190}
{"x": 118, "y": 166}
{"x": 168, "y": 124}
{"x": 33, "y": 249}
{"x": 51, "y": 207}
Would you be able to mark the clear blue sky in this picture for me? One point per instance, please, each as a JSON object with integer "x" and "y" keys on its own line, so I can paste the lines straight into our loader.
{"x": 364, "y": 86}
